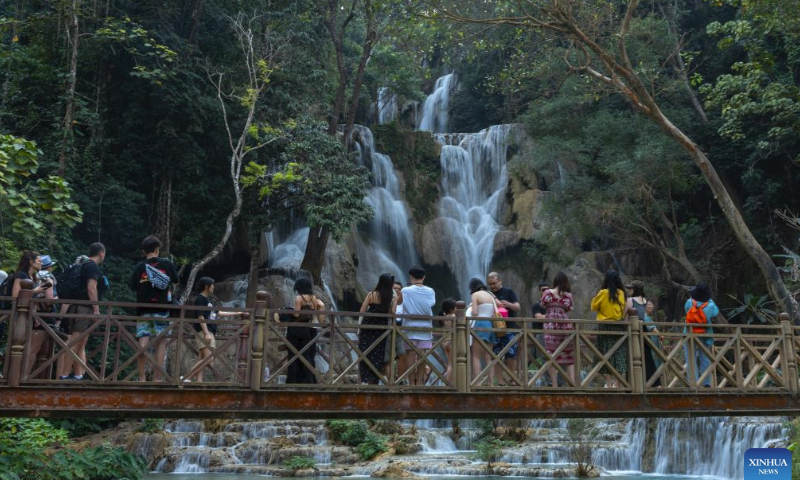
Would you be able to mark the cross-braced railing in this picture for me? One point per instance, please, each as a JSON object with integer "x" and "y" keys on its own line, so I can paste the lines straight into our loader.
{"x": 285, "y": 349}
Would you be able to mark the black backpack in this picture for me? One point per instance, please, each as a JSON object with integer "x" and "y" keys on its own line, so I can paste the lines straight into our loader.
{"x": 70, "y": 286}
{"x": 6, "y": 289}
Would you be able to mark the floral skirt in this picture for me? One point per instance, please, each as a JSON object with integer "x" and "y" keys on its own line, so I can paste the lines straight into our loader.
{"x": 618, "y": 359}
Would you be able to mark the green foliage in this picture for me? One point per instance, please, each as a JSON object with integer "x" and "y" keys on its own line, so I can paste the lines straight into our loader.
{"x": 300, "y": 463}
{"x": 32, "y": 203}
{"x": 490, "y": 449}
{"x": 348, "y": 432}
{"x": 79, "y": 427}
{"x": 373, "y": 444}
{"x": 753, "y": 309}
{"x": 792, "y": 428}
{"x": 356, "y": 433}
{"x": 151, "y": 425}
{"x": 30, "y": 448}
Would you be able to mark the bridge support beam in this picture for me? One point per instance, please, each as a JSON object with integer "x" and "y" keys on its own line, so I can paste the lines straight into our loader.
{"x": 18, "y": 332}
{"x": 272, "y": 404}
{"x": 461, "y": 349}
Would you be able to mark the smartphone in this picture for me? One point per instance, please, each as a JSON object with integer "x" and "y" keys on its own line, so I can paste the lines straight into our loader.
{"x": 46, "y": 285}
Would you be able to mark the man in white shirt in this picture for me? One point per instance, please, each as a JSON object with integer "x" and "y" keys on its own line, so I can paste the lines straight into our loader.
{"x": 417, "y": 300}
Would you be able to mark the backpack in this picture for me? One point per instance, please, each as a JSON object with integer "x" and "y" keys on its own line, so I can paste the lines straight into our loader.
{"x": 69, "y": 282}
{"x": 158, "y": 279}
{"x": 5, "y": 291}
{"x": 697, "y": 315}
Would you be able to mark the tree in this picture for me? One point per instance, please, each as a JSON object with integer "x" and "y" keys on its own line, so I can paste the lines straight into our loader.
{"x": 29, "y": 204}
{"x": 585, "y": 26}
{"x": 261, "y": 52}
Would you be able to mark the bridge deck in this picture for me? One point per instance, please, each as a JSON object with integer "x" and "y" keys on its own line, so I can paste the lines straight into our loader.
{"x": 669, "y": 370}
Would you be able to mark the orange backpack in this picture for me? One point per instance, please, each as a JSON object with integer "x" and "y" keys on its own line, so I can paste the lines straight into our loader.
{"x": 697, "y": 315}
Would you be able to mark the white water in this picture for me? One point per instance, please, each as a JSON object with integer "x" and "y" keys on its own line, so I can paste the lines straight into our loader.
{"x": 434, "y": 111}
{"x": 474, "y": 177}
{"x": 386, "y": 243}
{"x": 387, "y": 106}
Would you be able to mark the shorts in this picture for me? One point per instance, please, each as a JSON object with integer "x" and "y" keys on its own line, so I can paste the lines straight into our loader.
{"x": 501, "y": 344}
{"x": 420, "y": 344}
{"x": 78, "y": 325}
{"x": 151, "y": 328}
{"x": 200, "y": 343}
{"x": 488, "y": 337}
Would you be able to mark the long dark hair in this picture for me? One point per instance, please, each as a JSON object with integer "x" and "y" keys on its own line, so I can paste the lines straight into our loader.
{"x": 25, "y": 261}
{"x": 701, "y": 293}
{"x": 561, "y": 282}
{"x": 448, "y": 307}
{"x": 303, "y": 286}
{"x": 612, "y": 282}
{"x": 385, "y": 291}
{"x": 476, "y": 285}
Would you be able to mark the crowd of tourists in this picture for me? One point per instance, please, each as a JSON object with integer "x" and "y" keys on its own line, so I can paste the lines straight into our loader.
{"x": 73, "y": 310}
{"x": 492, "y": 311}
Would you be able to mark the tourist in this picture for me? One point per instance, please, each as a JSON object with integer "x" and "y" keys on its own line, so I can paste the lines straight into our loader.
{"x": 379, "y": 300}
{"x": 638, "y": 301}
{"x": 700, "y": 309}
{"x": 44, "y": 277}
{"x": 448, "y": 310}
{"x": 483, "y": 305}
{"x": 152, "y": 280}
{"x": 27, "y": 268}
{"x": 558, "y": 303}
{"x": 92, "y": 287}
{"x": 302, "y": 337}
{"x": 418, "y": 299}
{"x": 609, "y": 304}
{"x": 538, "y": 312}
{"x": 205, "y": 328}
{"x": 508, "y": 299}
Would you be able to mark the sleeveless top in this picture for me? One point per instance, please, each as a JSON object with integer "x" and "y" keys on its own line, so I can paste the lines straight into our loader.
{"x": 640, "y": 308}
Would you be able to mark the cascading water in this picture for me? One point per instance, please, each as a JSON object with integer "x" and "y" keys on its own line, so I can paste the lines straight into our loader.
{"x": 387, "y": 106}
{"x": 434, "y": 111}
{"x": 386, "y": 243}
{"x": 474, "y": 177}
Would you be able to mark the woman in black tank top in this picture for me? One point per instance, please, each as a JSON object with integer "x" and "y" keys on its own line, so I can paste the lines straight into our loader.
{"x": 379, "y": 300}
{"x": 299, "y": 337}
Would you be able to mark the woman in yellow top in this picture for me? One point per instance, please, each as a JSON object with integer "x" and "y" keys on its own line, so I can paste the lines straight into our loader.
{"x": 609, "y": 303}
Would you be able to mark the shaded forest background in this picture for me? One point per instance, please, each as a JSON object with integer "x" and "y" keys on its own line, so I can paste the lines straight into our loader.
{"x": 124, "y": 102}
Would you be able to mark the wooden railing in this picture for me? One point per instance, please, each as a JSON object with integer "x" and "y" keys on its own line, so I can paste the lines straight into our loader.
{"x": 254, "y": 352}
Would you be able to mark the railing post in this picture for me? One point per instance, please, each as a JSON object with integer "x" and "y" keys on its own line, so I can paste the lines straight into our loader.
{"x": 19, "y": 322}
{"x": 638, "y": 375}
{"x": 788, "y": 353}
{"x": 257, "y": 325}
{"x": 461, "y": 348}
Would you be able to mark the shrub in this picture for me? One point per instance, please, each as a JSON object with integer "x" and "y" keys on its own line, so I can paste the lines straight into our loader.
{"x": 151, "y": 425}
{"x": 348, "y": 432}
{"x": 374, "y": 444}
{"x": 300, "y": 463}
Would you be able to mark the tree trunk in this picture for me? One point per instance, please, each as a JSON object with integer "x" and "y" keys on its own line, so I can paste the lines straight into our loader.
{"x": 215, "y": 251}
{"x": 314, "y": 257}
{"x": 338, "y": 103}
{"x": 775, "y": 286}
{"x": 69, "y": 115}
{"x": 252, "y": 276}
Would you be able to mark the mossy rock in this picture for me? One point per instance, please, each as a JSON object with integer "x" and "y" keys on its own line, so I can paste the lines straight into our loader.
{"x": 416, "y": 155}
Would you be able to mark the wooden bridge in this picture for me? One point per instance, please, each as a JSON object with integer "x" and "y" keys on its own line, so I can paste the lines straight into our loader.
{"x": 750, "y": 370}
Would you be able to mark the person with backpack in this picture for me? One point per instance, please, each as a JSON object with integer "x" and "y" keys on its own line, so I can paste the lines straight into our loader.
{"x": 700, "y": 309}
{"x": 29, "y": 264}
{"x": 152, "y": 280}
{"x": 84, "y": 282}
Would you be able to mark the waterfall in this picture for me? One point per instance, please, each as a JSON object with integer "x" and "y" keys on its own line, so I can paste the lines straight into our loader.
{"x": 386, "y": 243}
{"x": 434, "y": 111}
{"x": 387, "y": 106}
{"x": 711, "y": 445}
{"x": 474, "y": 177}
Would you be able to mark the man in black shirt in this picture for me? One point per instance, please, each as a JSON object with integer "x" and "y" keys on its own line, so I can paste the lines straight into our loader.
{"x": 93, "y": 288}
{"x": 508, "y": 299}
{"x": 155, "y": 268}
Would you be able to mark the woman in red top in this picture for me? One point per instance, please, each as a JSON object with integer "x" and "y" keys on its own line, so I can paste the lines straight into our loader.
{"x": 558, "y": 302}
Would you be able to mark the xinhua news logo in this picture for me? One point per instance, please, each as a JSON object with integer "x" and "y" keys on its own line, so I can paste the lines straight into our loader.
{"x": 772, "y": 463}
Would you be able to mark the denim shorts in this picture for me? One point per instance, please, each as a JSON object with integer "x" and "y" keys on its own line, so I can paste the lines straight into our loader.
{"x": 151, "y": 328}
